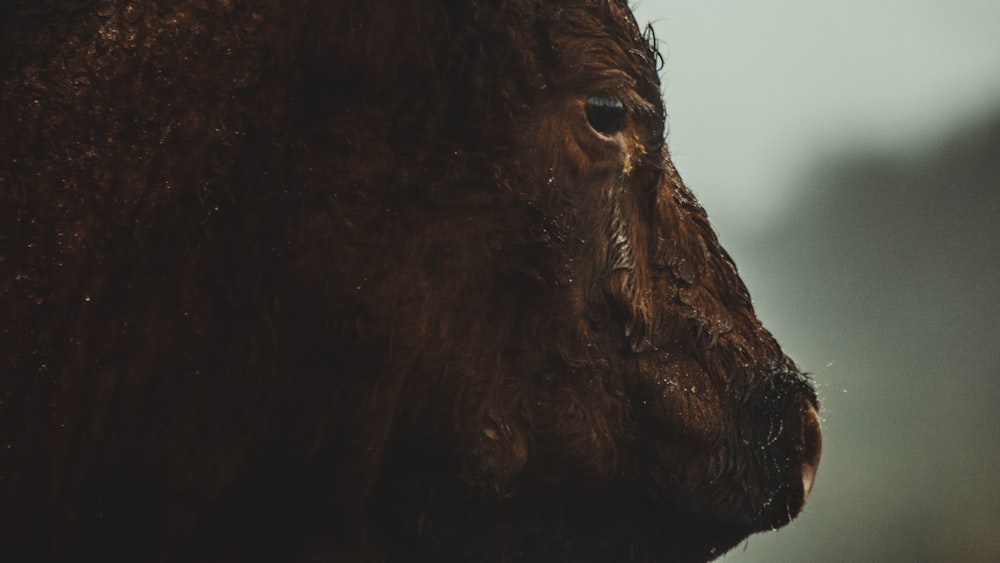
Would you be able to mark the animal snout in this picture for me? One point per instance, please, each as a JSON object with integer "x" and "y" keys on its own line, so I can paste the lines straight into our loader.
{"x": 791, "y": 439}
{"x": 811, "y": 447}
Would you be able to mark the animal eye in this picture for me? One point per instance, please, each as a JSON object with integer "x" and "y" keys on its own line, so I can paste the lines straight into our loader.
{"x": 605, "y": 115}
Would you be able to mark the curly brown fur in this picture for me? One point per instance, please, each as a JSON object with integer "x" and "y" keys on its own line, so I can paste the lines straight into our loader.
{"x": 358, "y": 281}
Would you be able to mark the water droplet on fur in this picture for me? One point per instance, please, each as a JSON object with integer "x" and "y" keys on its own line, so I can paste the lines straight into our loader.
{"x": 131, "y": 13}
{"x": 105, "y": 9}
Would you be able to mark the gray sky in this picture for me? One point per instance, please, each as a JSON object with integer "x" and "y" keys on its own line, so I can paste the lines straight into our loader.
{"x": 756, "y": 90}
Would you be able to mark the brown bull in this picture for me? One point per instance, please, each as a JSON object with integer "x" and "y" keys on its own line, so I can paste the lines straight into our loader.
{"x": 369, "y": 280}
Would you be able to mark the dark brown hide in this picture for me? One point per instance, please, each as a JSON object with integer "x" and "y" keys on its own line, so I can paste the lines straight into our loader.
{"x": 368, "y": 280}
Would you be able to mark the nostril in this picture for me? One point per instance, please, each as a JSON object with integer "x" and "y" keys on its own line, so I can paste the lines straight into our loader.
{"x": 812, "y": 447}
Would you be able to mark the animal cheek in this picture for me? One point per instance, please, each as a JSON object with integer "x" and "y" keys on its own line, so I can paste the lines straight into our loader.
{"x": 681, "y": 401}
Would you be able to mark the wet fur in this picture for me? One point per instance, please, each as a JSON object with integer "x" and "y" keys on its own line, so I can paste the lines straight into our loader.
{"x": 356, "y": 281}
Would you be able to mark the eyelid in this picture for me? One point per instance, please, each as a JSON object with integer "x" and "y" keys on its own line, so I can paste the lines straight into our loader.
{"x": 636, "y": 104}
{"x": 616, "y": 83}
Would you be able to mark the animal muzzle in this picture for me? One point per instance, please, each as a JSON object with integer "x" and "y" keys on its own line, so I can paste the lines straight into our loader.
{"x": 793, "y": 452}
{"x": 811, "y": 447}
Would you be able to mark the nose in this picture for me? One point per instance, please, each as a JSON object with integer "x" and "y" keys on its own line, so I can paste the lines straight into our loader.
{"x": 812, "y": 447}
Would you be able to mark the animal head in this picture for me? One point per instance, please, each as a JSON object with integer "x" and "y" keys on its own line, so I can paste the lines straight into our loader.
{"x": 371, "y": 280}
{"x": 573, "y": 363}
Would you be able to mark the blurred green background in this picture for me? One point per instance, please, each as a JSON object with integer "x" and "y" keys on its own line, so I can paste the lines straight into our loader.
{"x": 848, "y": 154}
